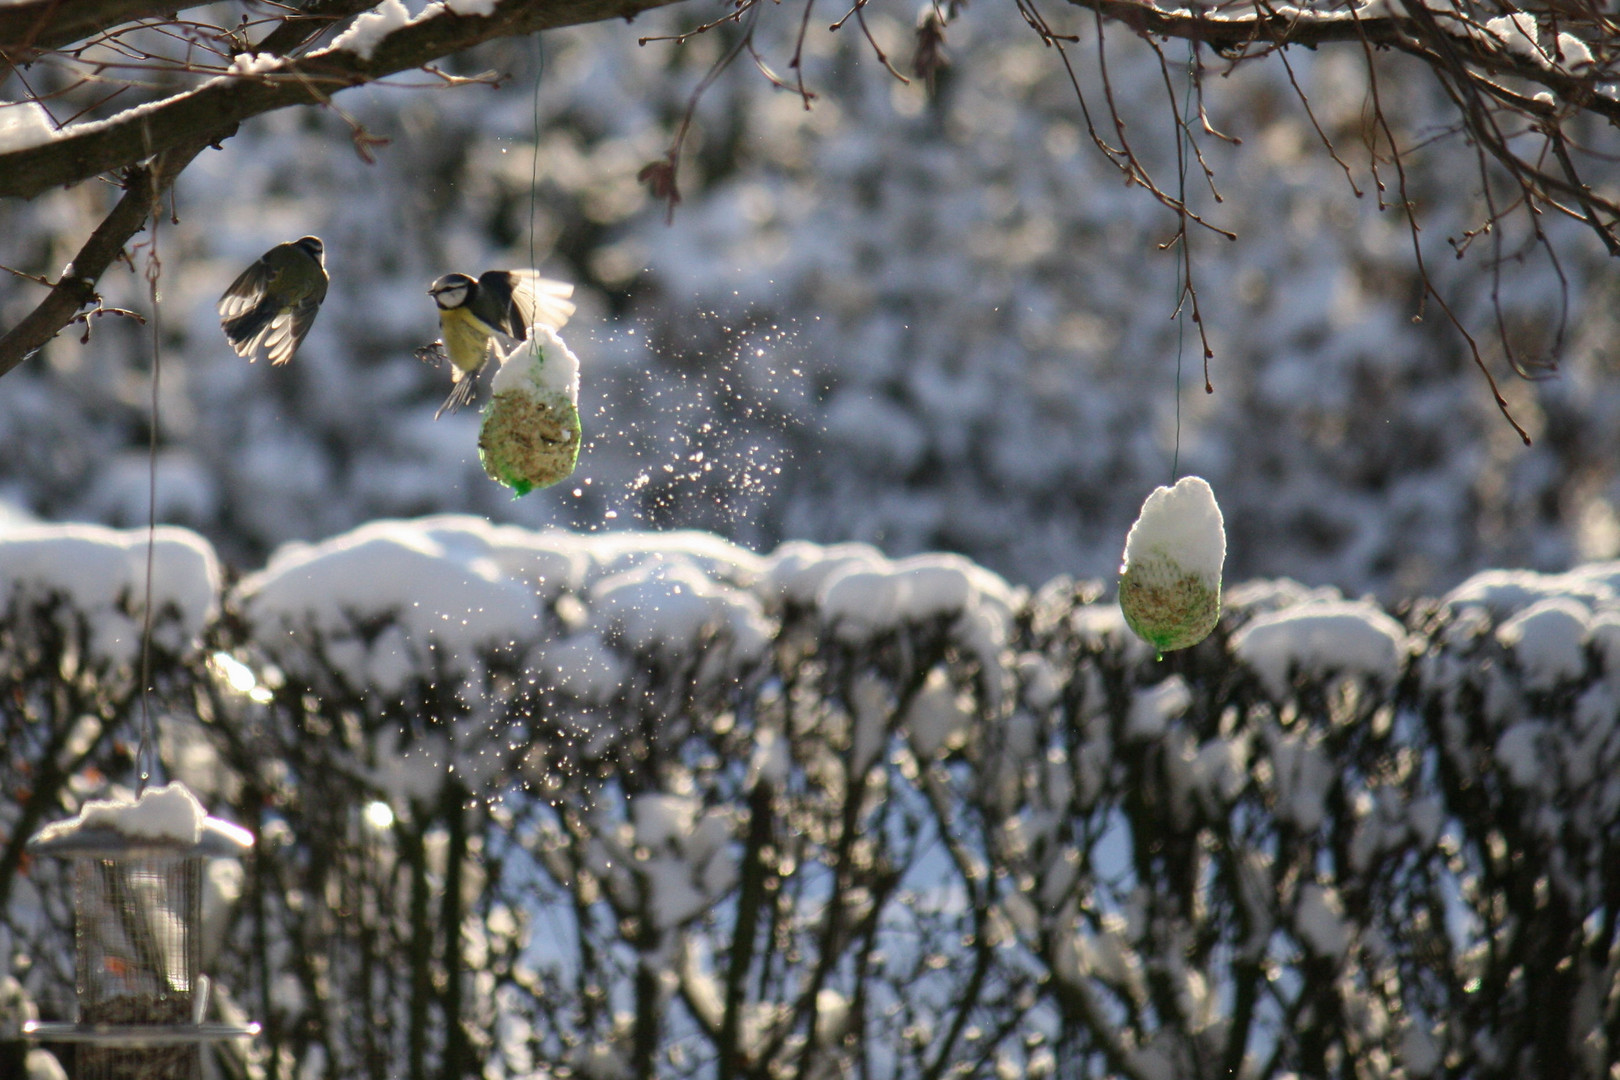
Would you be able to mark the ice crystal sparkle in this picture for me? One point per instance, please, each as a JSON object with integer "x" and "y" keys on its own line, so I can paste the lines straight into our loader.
{"x": 1170, "y": 583}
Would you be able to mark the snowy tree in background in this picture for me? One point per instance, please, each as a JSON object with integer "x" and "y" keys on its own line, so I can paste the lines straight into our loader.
{"x": 535, "y": 804}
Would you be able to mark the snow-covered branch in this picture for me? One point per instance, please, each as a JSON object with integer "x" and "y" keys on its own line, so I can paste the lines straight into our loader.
{"x": 378, "y": 44}
{"x": 1436, "y": 33}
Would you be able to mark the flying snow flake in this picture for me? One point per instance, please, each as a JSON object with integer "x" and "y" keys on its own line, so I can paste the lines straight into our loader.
{"x": 530, "y": 434}
{"x": 1170, "y": 584}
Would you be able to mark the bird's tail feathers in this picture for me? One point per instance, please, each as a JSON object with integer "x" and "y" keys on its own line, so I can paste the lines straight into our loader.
{"x": 460, "y": 394}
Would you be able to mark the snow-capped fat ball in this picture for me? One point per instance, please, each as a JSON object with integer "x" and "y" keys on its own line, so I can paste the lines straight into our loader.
{"x": 530, "y": 434}
{"x": 1184, "y": 522}
{"x": 1170, "y": 585}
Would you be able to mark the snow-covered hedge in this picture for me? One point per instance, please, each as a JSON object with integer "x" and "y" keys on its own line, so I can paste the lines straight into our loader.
{"x": 650, "y": 804}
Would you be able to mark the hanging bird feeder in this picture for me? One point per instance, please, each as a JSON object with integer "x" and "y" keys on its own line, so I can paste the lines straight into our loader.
{"x": 137, "y": 870}
{"x": 1170, "y": 583}
{"x": 530, "y": 434}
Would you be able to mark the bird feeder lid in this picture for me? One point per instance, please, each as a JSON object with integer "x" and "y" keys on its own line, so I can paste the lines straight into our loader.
{"x": 165, "y": 821}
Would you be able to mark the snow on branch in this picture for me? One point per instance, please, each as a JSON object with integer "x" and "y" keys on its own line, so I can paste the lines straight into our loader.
{"x": 1433, "y": 32}
{"x": 214, "y": 109}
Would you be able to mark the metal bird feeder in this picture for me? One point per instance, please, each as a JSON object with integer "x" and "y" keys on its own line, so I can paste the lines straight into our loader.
{"x": 137, "y": 902}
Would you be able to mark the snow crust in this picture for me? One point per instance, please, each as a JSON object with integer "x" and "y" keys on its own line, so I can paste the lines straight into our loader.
{"x": 938, "y": 715}
{"x": 542, "y": 361}
{"x": 442, "y": 582}
{"x": 1548, "y": 639}
{"x": 370, "y": 28}
{"x": 1352, "y": 637}
{"x": 453, "y": 587}
{"x": 1501, "y": 593}
{"x": 1518, "y": 31}
{"x": 255, "y": 63}
{"x": 169, "y": 814}
{"x": 24, "y": 124}
{"x": 1153, "y": 709}
{"x": 1574, "y": 52}
{"x": 101, "y": 572}
{"x": 1319, "y": 920}
{"x": 1182, "y": 524}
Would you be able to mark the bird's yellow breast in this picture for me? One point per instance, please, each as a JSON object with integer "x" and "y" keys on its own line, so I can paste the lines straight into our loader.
{"x": 466, "y": 339}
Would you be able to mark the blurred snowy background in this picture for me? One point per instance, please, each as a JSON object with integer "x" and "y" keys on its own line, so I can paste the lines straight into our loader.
{"x": 930, "y": 323}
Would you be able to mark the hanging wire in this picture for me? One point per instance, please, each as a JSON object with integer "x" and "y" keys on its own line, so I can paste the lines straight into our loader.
{"x": 534, "y": 165}
{"x": 1183, "y": 139}
{"x": 146, "y": 754}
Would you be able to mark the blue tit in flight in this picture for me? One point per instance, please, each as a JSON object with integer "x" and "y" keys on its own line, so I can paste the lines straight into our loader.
{"x": 501, "y": 303}
{"x": 273, "y": 303}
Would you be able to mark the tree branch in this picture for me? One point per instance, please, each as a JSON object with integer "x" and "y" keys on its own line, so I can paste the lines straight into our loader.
{"x": 142, "y": 186}
{"x": 218, "y": 105}
{"x": 1268, "y": 29}
{"x": 31, "y": 27}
